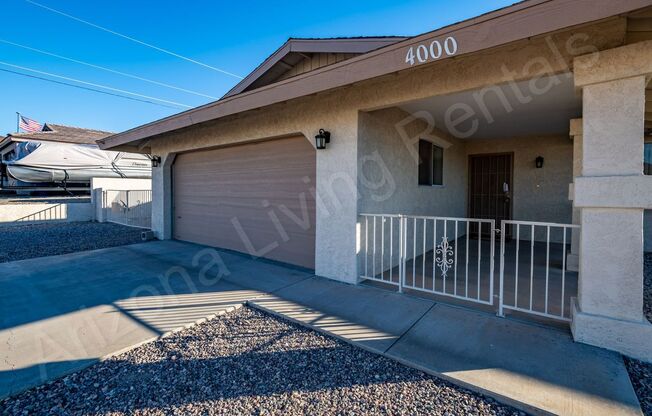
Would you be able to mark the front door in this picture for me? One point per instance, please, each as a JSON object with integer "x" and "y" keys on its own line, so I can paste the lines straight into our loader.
{"x": 490, "y": 188}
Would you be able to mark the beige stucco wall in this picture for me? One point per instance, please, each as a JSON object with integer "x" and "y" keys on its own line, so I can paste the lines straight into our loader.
{"x": 388, "y": 172}
{"x": 388, "y": 168}
{"x": 388, "y": 184}
{"x": 537, "y": 194}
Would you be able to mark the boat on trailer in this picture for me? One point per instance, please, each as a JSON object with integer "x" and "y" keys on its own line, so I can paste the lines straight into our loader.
{"x": 65, "y": 166}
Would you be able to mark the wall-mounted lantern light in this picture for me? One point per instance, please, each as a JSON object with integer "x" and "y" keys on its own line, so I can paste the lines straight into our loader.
{"x": 322, "y": 138}
{"x": 539, "y": 162}
{"x": 156, "y": 161}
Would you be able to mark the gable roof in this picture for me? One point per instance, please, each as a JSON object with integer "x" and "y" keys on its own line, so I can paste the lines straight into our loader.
{"x": 516, "y": 22}
{"x": 295, "y": 50}
{"x": 61, "y": 134}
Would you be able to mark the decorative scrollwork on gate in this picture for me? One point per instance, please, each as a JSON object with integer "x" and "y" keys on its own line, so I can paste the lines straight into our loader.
{"x": 444, "y": 256}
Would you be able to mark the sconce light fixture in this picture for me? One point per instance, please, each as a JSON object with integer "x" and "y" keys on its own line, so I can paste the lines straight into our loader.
{"x": 322, "y": 138}
{"x": 539, "y": 162}
{"x": 156, "y": 161}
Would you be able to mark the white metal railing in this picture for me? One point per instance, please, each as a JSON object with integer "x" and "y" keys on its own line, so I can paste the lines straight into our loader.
{"x": 128, "y": 207}
{"x": 381, "y": 237}
{"x": 446, "y": 256}
{"x": 454, "y": 257}
{"x": 533, "y": 275}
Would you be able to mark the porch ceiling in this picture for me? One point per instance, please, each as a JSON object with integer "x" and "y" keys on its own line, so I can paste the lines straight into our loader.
{"x": 542, "y": 106}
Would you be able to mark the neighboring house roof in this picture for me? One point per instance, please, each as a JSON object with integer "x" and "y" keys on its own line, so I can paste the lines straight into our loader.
{"x": 61, "y": 134}
{"x": 510, "y": 24}
{"x": 313, "y": 52}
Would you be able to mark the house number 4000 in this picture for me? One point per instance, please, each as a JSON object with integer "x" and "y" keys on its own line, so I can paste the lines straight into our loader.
{"x": 435, "y": 50}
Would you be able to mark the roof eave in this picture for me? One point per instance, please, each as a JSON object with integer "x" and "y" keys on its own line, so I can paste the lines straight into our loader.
{"x": 335, "y": 45}
{"x": 536, "y": 17}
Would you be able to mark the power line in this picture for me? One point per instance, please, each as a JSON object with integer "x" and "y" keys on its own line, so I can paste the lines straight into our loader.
{"x": 132, "y": 39}
{"x": 85, "y": 88}
{"x": 106, "y": 69}
{"x": 94, "y": 85}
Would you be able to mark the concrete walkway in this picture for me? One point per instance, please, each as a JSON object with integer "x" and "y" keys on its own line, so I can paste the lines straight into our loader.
{"x": 62, "y": 313}
{"x": 537, "y": 369}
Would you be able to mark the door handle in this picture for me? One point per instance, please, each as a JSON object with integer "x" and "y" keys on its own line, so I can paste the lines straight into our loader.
{"x": 506, "y": 192}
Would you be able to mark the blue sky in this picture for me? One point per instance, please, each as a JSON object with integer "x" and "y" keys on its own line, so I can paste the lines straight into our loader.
{"x": 234, "y": 36}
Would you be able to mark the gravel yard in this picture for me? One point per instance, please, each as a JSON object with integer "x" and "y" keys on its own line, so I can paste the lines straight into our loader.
{"x": 247, "y": 362}
{"x": 19, "y": 242}
{"x": 639, "y": 372}
{"x": 641, "y": 375}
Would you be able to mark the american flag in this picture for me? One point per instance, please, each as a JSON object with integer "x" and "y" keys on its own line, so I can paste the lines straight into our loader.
{"x": 29, "y": 125}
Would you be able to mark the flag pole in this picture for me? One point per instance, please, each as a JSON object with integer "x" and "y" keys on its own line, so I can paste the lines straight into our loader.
{"x": 17, "y": 121}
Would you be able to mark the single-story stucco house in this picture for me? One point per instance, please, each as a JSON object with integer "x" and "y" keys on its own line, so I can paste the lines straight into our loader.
{"x": 497, "y": 162}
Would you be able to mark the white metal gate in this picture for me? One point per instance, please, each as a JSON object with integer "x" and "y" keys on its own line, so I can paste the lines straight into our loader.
{"x": 442, "y": 255}
{"x": 132, "y": 208}
{"x": 533, "y": 275}
{"x": 454, "y": 257}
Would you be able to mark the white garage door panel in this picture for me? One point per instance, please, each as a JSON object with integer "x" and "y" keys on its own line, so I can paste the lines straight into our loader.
{"x": 254, "y": 198}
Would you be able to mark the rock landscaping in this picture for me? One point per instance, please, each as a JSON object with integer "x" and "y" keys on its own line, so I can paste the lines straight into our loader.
{"x": 248, "y": 362}
{"x": 641, "y": 373}
{"x": 20, "y": 242}
{"x": 641, "y": 376}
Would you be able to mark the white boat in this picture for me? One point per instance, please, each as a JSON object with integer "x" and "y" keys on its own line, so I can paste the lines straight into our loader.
{"x": 52, "y": 162}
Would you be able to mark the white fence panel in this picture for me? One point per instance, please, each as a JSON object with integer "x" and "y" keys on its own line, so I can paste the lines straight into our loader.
{"x": 128, "y": 207}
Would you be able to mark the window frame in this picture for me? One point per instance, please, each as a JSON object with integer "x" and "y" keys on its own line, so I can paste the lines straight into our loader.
{"x": 434, "y": 169}
{"x": 647, "y": 148}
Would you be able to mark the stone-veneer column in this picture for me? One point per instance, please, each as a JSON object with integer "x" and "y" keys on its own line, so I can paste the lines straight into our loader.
{"x": 611, "y": 194}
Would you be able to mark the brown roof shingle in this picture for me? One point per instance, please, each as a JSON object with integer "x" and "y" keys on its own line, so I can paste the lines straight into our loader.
{"x": 63, "y": 134}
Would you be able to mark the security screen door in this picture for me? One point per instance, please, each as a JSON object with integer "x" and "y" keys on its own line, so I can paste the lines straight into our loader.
{"x": 490, "y": 188}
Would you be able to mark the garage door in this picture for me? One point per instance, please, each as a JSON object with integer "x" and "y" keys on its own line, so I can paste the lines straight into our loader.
{"x": 254, "y": 198}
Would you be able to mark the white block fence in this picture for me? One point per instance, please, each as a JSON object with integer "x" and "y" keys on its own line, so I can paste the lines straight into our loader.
{"x": 67, "y": 210}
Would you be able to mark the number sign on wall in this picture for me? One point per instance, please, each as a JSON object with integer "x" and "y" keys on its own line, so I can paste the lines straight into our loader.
{"x": 430, "y": 52}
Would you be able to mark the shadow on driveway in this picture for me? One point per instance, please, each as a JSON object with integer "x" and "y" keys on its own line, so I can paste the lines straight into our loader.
{"x": 59, "y": 313}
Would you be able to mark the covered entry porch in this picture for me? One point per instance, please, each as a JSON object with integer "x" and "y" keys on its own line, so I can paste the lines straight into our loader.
{"x": 554, "y": 230}
{"x": 475, "y": 212}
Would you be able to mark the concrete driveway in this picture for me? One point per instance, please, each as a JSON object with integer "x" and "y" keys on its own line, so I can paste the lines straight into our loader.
{"x": 59, "y": 314}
